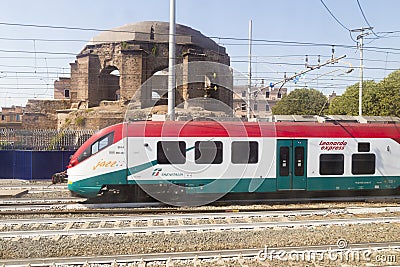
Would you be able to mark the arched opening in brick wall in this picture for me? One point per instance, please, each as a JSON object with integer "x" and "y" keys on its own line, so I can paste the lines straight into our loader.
{"x": 159, "y": 87}
{"x": 109, "y": 84}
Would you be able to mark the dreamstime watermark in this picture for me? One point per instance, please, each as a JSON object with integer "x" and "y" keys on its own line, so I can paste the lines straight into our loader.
{"x": 341, "y": 254}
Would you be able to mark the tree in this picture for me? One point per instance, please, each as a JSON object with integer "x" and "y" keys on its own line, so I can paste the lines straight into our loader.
{"x": 379, "y": 99}
{"x": 389, "y": 95}
{"x": 347, "y": 104}
{"x": 301, "y": 102}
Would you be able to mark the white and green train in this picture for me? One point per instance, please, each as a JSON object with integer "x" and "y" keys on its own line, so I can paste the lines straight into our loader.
{"x": 177, "y": 161}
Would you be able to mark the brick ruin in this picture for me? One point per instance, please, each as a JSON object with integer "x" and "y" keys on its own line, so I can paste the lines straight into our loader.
{"x": 114, "y": 65}
{"x": 135, "y": 52}
{"x": 111, "y": 68}
{"x": 42, "y": 114}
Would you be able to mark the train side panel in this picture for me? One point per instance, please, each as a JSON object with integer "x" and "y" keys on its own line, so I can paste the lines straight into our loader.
{"x": 291, "y": 157}
{"x": 353, "y": 164}
{"x": 204, "y": 177}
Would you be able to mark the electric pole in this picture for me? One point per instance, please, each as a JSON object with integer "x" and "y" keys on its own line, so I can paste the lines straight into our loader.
{"x": 249, "y": 81}
{"x": 360, "y": 45}
{"x": 171, "y": 62}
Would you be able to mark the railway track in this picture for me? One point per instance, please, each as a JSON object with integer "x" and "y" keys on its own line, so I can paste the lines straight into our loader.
{"x": 74, "y": 205}
{"x": 66, "y": 230}
{"x": 36, "y": 201}
{"x": 32, "y": 188}
{"x": 367, "y": 252}
{"x": 20, "y": 206}
{"x": 79, "y": 205}
{"x": 179, "y": 223}
{"x": 67, "y": 224}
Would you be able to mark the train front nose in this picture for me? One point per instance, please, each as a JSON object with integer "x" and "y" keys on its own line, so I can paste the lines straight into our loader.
{"x": 80, "y": 185}
{"x": 83, "y": 189}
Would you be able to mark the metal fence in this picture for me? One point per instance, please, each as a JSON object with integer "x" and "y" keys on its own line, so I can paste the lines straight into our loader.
{"x": 12, "y": 139}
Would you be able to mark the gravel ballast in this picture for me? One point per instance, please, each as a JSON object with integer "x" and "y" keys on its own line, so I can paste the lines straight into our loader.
{"x": 206, "y": 241}
{"x": 125, "y": 244}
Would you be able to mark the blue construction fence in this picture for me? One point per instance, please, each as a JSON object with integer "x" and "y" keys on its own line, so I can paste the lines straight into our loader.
{"x": 31, "y": 164}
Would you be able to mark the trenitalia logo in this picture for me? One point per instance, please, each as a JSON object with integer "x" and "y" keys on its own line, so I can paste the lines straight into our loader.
{"x": 156, "y": 172}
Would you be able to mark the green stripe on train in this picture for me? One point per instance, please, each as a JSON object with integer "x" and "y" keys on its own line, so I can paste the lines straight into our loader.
{"x": 352, "y": 183}
{"x": 90, "y": 187}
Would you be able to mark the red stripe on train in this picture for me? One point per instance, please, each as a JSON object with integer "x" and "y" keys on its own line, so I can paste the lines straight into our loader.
{"x": 262, "y": 129}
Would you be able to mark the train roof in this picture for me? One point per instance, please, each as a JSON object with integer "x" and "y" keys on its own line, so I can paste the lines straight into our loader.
{"x": 262, "y": 129}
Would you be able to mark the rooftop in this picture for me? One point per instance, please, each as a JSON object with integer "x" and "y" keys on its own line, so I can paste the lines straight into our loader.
{"x": 157, "y": 31}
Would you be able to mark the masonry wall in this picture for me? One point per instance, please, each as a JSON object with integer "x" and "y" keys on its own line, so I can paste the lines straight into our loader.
{"x": 41, "y": 114}
{"x": 60, "y": 87}
{"x": 136, "y": 62}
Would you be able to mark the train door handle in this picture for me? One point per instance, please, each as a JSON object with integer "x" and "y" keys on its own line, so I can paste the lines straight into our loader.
{"x": 284, "y": 163}
{"x": 299, "y": 163}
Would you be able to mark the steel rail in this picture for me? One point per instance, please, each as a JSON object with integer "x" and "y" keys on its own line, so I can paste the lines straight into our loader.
{"x": 34, "y": 201}
{"x": 204, "y": 216}
{"x": 31, "y": 201}
{"x": 153, "y": 208}
{"x": 194, "y": 216}
{"x": 33, "y": 186}
{"x": 195, "y": 228}
{"x": 194, "y": 256}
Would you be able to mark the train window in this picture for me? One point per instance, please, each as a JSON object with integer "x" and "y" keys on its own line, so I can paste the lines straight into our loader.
{"x": 95, "y": 148}
{"x": 171, "y": 152}
{"x": 363, "y": 164}
{"x": 299, "y": 161}
{"x": 100, "y": 144}
{"x": 363, "y": 147}
{"x": 84, "y": 155}
{"x": 244, "y": 152}
{"x": 331, "y": 164}
{"x": 284, "y": 161}
{"x": 208, "y": 152}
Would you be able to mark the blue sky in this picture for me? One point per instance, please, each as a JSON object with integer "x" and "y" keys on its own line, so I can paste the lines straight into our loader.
{"x": 27, "y": 73}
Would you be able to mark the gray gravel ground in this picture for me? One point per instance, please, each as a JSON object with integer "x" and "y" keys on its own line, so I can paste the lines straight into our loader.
{"x": 44, "y": 195}
{"x": 125, "y": 244}
{"x": 159, "y": 243}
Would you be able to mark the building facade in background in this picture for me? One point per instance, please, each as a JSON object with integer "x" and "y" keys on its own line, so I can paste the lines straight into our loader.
{"x": 11, "y": 117}
{"x": 262, "y": 99}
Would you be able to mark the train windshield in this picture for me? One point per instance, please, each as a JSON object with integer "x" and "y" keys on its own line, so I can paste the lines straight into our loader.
{"x": 97, "y": 146}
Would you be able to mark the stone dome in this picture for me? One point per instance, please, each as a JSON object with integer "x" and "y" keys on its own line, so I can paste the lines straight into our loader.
{"x": 155, "y": 31}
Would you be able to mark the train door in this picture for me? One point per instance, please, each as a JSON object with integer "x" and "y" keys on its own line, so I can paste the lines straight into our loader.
{"x": 291, "y": 167}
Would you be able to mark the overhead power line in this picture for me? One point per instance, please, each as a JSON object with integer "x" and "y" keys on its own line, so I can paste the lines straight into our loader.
{"x": 333, "y": 16}
{"x": 244, "y": 40}
{"x": 60, "y": 27}
{"x": 362, "y": 12}
{"x": 43, "y": 39}
{"x": 365, "y": 18}
{"x": 338, "y": 21}
{"x": 76, "y": 28}
{"x": 37, "y": 52}
{"x": 215, "y": 37}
